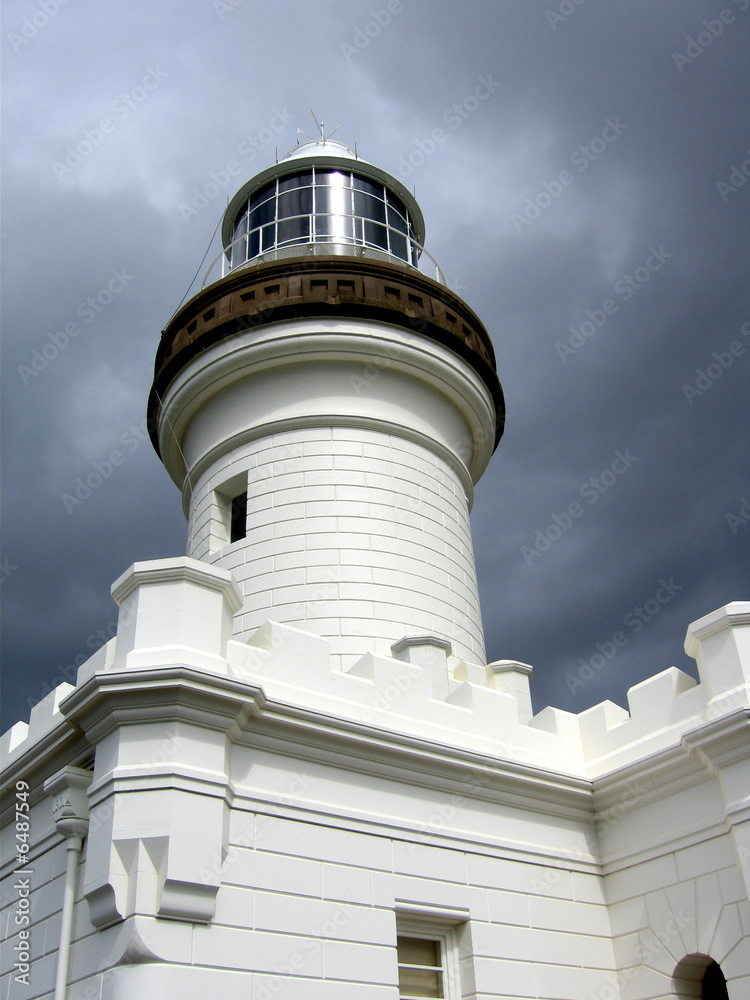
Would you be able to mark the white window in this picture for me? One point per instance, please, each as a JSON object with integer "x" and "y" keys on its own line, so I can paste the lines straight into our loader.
{"x": 421, "y": 970}
{"x": 428, "y": 958}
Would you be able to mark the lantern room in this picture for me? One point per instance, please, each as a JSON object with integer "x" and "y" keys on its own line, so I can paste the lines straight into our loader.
{"x": 322, "y": 199}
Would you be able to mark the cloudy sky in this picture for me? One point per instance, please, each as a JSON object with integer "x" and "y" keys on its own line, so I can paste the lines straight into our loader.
{"x": 592, "y": 209}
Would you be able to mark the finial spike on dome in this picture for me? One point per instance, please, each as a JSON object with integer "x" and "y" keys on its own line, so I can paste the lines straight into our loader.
{"x": 320, "y": 127}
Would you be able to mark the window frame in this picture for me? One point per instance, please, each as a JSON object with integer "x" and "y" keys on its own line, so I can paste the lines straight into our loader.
{"x": 428, "y": 928}
{"x": 220, "y": 519}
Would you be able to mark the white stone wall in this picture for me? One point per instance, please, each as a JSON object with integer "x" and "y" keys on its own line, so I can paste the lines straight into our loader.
{"x": 322, "y": 895}
{"x": 309, "y": 899}
{"x": 356, "y": 535}
{"x": 682, "y": 897}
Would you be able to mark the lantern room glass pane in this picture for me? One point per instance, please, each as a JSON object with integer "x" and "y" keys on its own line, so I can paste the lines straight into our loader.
{"x": 334, "y": 200}
{"x": 369, "y": 187}
{"x": 376, "y": 235}
{"x": 294, "y": 230}
{"x": 337, "y": 178}
{"x": 239, "y": 241}
{"x": 253, "y": 244}
{"x": 369, "y": 207}
{"x": 395, "y": 219}
{"x": 268, "y": 237}
{"x": 334, "y": 228}
{"x": 296, "y": 202}
{"x": 263, "y": 194}
{"x": 298, "y": 180}
{"x": 398, "y": 245}
{"x": 261, "y": 214}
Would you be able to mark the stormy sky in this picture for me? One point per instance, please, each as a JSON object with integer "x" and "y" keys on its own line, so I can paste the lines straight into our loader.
{"x": 580, "y": 169}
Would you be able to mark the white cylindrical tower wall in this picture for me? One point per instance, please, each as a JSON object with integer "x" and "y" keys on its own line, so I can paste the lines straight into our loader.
{"x": 352, "y": 442}
{"x": 354, "y": 534}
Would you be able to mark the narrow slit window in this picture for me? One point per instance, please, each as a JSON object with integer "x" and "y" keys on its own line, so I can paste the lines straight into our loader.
{"x": 238, "y": 518}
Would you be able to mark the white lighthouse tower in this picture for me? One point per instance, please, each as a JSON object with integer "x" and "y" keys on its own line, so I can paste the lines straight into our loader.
{"x": 326, "y": 408}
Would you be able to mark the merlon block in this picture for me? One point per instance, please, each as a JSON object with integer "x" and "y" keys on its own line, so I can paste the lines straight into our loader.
{"x": 43, "y": 713}
{"x": 288, "y": 654}
{"x": 720, "y": 644}
{"x": 653, "y": 702}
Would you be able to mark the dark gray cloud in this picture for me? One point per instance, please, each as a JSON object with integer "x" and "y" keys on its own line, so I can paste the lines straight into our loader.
{"x": 594, "y": 156}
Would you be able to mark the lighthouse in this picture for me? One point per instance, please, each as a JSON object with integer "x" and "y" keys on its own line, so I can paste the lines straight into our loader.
{"x": 326, "y": 404}
{"x": 292, "y": 772}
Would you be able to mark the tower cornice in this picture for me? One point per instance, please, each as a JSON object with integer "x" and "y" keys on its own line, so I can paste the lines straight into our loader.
{"x": 326, "y": 286}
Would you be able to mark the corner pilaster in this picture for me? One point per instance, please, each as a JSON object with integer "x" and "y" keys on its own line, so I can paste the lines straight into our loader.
{"x": 161, "y": 717}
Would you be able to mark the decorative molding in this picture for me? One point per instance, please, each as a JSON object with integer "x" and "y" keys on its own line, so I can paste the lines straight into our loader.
{"x": 510, "y": 666}
{"x": 307, "y": 735}
{"x": 178, "y": 570}
{"x": 70, "y": 805}
{"x": 729, "y": 616}
{"x": 723, "y": 742}
{"x": 162, "y": 694}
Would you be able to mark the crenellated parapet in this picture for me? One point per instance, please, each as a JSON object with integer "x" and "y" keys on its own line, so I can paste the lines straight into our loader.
{"x": 176, "y": 615}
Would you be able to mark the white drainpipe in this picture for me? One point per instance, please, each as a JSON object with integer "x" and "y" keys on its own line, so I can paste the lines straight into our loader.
{"x": 70, "y": 810}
